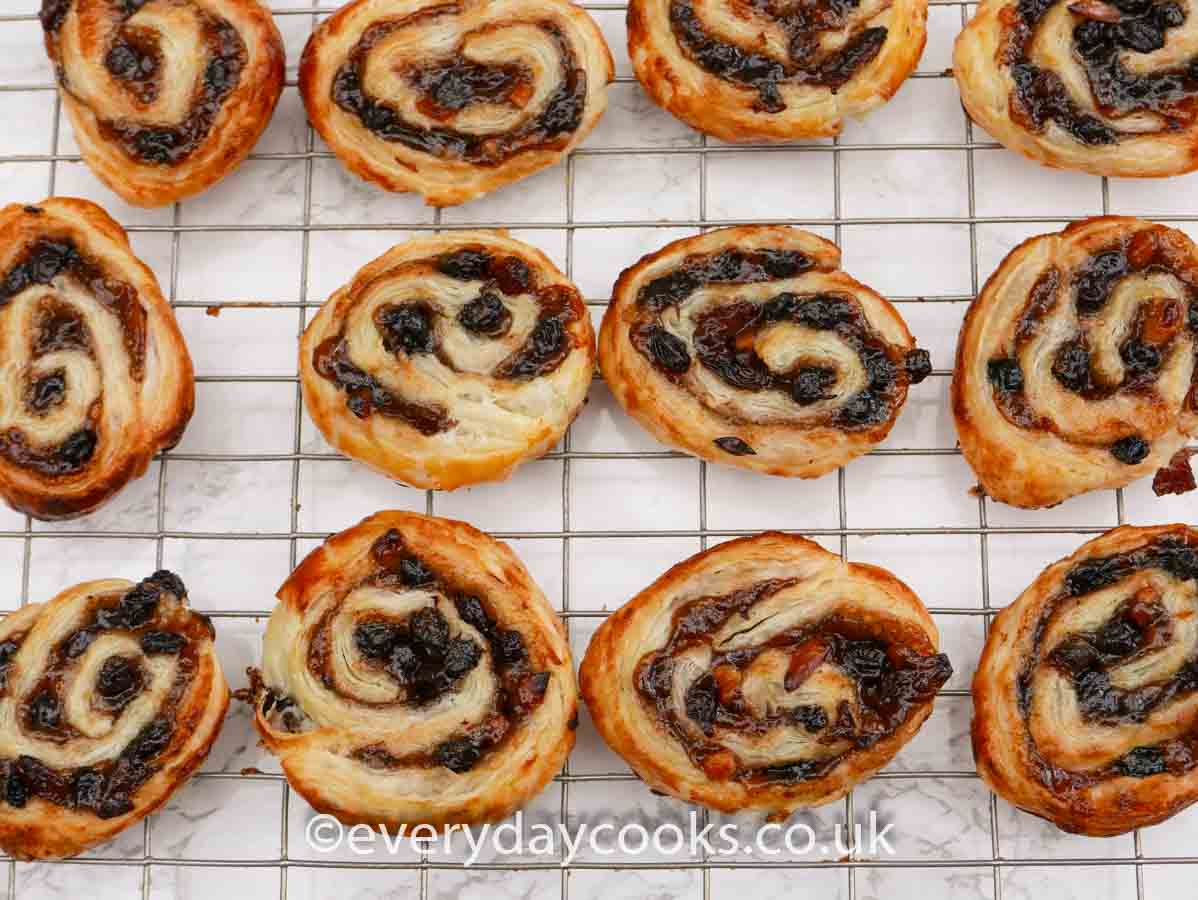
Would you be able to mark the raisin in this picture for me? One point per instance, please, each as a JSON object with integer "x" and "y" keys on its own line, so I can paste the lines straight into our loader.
{"x": 734, "y": 446}
{"x": 1131, "y": 450}
{"x": 811, "y": 384}
{"x": 52, "y": 14}
{"x": 1072, "y": 367}
{"x": 458, "y": 754}
{"x": 150, "y": 741}
{"x": 918, "y": 364}
{"x": 824, "y": 312}
{"x": 45, "y": 712}
{"x": 1142, "y": 762}
{"x": 87, "y": 788}
{"x": 8, "y": 649}
{"x": 1093, "y": 283}
{"x": 1140, "y": 357}
{"x": 474, "y": 614}
{"x": 1005, "y": 374}
{"x": 1141, "y": 35}
{"x": 407, "y": 328}
{"x": 118, "y": 680}
{"x": 879, "y": 368}
{"x": 387, "y": 551}
{"x": 16, "y": 794}
{"x": 512, "y": 275}
{"x": 78, "y": 643}
{"x": 486, "y": 315}
{"x": 863, "y": 408}
{"x": 783, "y": 263}
{"x": 1179, "y": 560}
{"x": 51, "y": 260}
{"x": 1095, "y": 696}
{"x": 122, "y": 61}
{"x": 414, "y": 573}
{"x": 220, "y": 76}
{"x": 1075, "y": 655}
{"x": 42, "y": 781}
{"x": 1118, "y": 638}
{"x": 862, "y": 659}
{"x": 162, "y": 642}
{"x": 813, "y": 718}
{"x": 139, "y": 605}
{"x": 403, "y": 663}
{"x": 1093, "y": 38}
{"x": 376, "y": 640}
{"x": 18, "y": 278}
{"x": 668, "y": 352}
{"x": 1092, "y": 575}
{"x": 527, "y": 694}
{"x": 78, "y": 449}
{"x": 1170, "y": 15}
{"x": 430, "y": 632}
{"x": 669, "y": 290}
{"x": 49, "y": 390}
{"x": 509, "y": 647}
{"x": 461, "y": 657}
{"x": 168, "y": 581}
{"x": 701, "y": 702}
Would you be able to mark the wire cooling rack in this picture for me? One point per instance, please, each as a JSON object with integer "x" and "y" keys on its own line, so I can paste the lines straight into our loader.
{"x": 1006, "y": 857}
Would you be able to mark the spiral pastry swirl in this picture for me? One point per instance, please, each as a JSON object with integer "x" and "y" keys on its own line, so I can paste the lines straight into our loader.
{"x": 452, "y": 100}
{"x": 449, "y": 360}
{"x": 414, "y": 673}
{"x": 166, "y": 96}
{"x": 1086, "y": 697}
{"x": 750, "y": 347}
{"x": 111, "y": 696}
{"x": 763, "y": 674}
{"x": 1076, "y": 364}
{"x": 95, "y": 376}
{"x": 745, "y": 70}
{"x": 1109, "y": 88}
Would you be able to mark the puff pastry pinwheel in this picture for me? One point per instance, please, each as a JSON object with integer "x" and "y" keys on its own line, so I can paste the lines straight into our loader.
{"x": 749, "y": 346}
{"x": 1109, "y": 88}
{"x": 449, "y": 360}
{"x": 1086, "y": 697}
{"x": 763, "y": 674}
{"x": 454, "y": 100}
{"x": 1076, "y": 364}
{"x": 414, "y": 673}
{"x": 775, "y": 71}
{"x": 111, "y": 696}
{"x": 94, "y": 375}
{"x": 166, "y": 96}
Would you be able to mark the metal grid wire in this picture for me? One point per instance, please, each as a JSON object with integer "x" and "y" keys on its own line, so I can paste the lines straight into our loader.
{"x": 704, "y": 151}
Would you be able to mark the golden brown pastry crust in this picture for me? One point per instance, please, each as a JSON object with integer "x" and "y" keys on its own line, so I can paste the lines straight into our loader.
{"x": 1119, "y": 136}
{"x": 1098, "y": 362}
{"x": 93, "y": 383}
{"x": 468, "y": 398}
{"x": 1092, "y": 760}
{"x": 747, "y": 398}
{"x": 776, "y": 625}
{"x": 217, "y": 69}
{"x": 458, "y": 142}
{"x": 793, "y": 102}
{"x": 365, "y": 745}
{"x": 71, "y": 727}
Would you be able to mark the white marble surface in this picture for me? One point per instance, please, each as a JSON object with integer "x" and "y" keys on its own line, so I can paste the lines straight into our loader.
{"x": 629, "y": 203}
